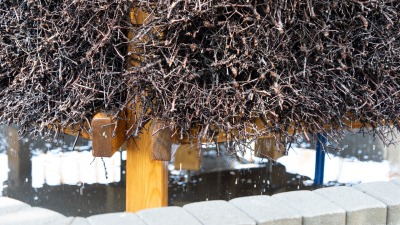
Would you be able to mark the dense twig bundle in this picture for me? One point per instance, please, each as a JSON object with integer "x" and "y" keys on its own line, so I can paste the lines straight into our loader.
{"x": 61, "y": 61}
{"x": 206, "y": 64}
{"x": 297, "y": 65}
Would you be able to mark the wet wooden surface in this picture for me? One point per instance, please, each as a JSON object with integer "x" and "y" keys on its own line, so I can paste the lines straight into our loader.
{"x": 161, "y": 141}
{"x": 106, "y": 138}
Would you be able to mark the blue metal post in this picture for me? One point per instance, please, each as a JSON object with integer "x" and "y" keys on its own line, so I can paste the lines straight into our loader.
{"x": 319, "y": 161}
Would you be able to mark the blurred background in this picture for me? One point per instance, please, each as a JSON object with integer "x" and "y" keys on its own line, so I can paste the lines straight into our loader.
{"x": 53, "y": 175}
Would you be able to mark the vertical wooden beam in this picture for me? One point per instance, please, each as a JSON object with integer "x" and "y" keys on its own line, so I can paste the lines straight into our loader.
{"x": 19, "y": 161}
{"x": 146, "y": 178}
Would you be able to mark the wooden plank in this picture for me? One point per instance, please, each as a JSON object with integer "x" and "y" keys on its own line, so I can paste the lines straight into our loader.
{"x": 146, "y": 178}
{"x": 187, "y": 157}
{"x": 74, "y": 131}
{"x": 267, "y": 147}
{"x": 161, "y": 140}
{"x": 221, "y": 137}
{"x": 105, "y": 139}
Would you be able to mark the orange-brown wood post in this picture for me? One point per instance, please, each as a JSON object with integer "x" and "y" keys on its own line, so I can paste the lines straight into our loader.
{"x": 146, "y": 178}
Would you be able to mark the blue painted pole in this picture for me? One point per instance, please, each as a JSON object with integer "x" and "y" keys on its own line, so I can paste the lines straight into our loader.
{"x": 319, "y": 161}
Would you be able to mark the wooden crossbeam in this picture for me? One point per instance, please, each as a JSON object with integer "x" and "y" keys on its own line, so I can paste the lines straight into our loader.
{"x": 106, "y": 139}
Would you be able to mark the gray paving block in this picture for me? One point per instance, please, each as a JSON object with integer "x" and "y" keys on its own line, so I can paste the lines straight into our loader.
{"x": 396, "y": 181}
{"x": 30, "y": 216}
{"x": 386, "y": 192}
{"x": 63, "y": 221}
{"x": 167, "y": 216}
{"x": 267, "y": 211}
{"x": 9, "y": 205}
{"x": 314, "y": 208}
{"x": 80, "y": 221}
{"x": 70, "y": 221}
{"x": 219, "y": 213}
{"x": 360, "y": 207}
{"x": 115, "y": 219}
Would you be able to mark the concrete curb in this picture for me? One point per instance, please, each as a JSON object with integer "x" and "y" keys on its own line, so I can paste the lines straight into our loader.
{"x": 266, "y": 210}
{"x": 368, "y": 203}
{"x": 314, "y": 208}
{"x": 360, "y": 208}
{"x": 218, "y": 212}
{"x": 386, "y": 192}
{"x": 162, "y": 216}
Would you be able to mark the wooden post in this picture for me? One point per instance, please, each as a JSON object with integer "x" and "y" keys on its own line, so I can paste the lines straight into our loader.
{"x": 146, "y": 178}
{"x": 19, "y": 161}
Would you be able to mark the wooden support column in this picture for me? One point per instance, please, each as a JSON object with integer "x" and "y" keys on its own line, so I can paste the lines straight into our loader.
{"x": 146, "y": 178}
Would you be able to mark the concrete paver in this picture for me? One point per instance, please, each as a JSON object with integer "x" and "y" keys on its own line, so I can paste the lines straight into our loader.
{"x": 80, "y": 221}
{"x": 266, "y": 210}
{"x": 30, "y": 216}
{"x": 314, "y": 208}
{"x": 115, "y": 219}
{"x": 360, "y": 207}
{"x": 9, "y": 205}
{"x": 386, "y": 192}
{"x": 396, "y": 181}
{"x": 167, "y": 216}
{"x": 63, "y": 221}
{"x": 218, "y": 213}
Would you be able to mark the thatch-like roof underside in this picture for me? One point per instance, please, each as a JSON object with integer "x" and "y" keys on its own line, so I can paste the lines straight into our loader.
{"x": 304, "y": 66}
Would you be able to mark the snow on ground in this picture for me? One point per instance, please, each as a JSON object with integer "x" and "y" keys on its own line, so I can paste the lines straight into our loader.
{"x": 343, "y": 170}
